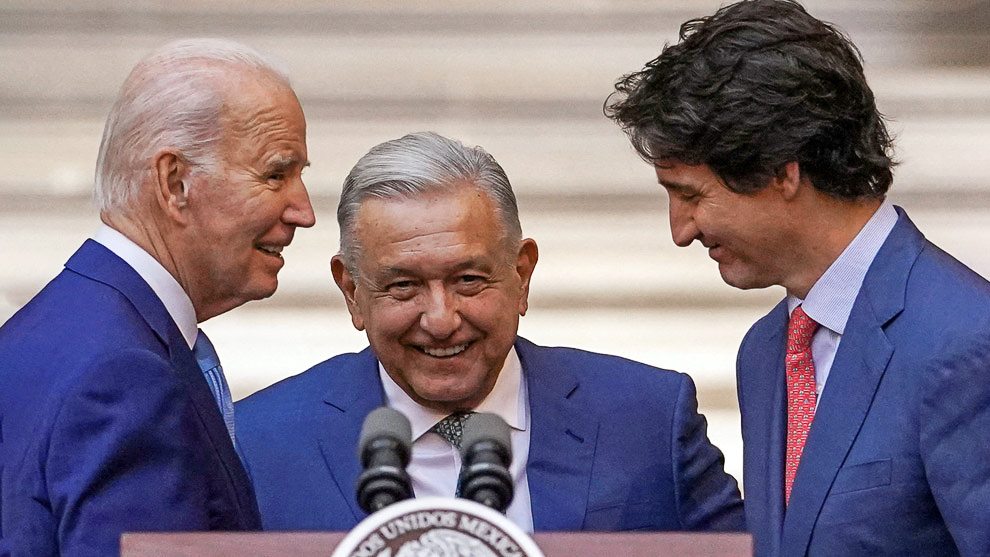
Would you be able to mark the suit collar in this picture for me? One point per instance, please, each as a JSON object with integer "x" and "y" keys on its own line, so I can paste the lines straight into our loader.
{"x": 98, "y": 263}
{"x": 859, "y": 365}
{"x": 562, "y": 442}
{"x": 164, "y": 285}
{"x": 350, "y": 396}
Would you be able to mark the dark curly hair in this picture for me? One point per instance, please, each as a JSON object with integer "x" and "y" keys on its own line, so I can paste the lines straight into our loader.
{"x": 753, "y": 87}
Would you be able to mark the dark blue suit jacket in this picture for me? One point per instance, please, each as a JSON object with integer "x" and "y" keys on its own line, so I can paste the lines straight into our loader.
{"x": 615, "y": 445}
{"x": 898, "y": 458}
{"x": 106, "y": 423}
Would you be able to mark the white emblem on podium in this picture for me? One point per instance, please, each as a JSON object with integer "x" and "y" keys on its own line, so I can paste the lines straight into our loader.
{"x": 437, "y": 527}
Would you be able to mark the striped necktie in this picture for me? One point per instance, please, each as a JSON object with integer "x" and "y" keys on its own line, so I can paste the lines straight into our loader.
{"x": 209, "y": 363}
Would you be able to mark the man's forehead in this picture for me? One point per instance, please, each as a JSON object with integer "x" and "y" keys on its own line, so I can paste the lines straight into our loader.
{"x": 679, "y": 175}
{"x": 398, "y": 234}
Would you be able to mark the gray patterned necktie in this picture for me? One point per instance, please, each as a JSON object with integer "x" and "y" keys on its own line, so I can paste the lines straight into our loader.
{"x": 452, "y": 427}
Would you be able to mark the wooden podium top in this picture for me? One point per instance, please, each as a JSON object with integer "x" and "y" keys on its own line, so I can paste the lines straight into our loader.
{"x": 553, "y": 544}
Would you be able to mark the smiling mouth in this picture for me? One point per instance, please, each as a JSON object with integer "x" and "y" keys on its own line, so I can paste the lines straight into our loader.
{"x": 272, "y": 250}
{"x": 446, "y": 352}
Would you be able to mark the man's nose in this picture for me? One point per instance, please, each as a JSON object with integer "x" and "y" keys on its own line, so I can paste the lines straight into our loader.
{"x": 441, "y": 316}
{"x": 299, "y": 211}
{"x": 683, "y": 229}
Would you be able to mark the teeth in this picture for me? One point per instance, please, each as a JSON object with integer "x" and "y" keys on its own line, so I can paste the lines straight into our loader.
{"x": 445, "y": 352}
{"x": 274, "y": 250}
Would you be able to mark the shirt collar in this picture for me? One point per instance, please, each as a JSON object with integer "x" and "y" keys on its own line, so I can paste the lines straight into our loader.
{"x": 162, "y": 283}
{"x": 830, "y": 300}
{"x": 507, "y": 399}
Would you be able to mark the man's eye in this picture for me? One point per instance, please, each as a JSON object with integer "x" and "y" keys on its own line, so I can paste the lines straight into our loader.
{"x": 402, "y": 289}
{"x": 276, "y": 176}
{"x": 471, "y": 283}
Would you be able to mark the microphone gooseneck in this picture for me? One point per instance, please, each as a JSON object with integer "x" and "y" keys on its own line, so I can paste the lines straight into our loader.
{"x": 384, "y": 447}
{"x": 486, "y": 452}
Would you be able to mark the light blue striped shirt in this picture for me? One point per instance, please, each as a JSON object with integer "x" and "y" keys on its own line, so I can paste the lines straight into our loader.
{"x": 830, "y": 300}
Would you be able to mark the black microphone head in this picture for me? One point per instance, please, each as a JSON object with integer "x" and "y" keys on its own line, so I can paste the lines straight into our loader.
{"x": 388, "y": 423}
{"x": 486, "y": 453}
{"x": 484, "y": 426}
{"x": 383, "y": 449}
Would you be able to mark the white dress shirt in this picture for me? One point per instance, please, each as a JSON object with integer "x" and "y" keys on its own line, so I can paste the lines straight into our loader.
{"x": 831, "y": 299}
{"x": 162, "y": 282}
{"x": 434, "y": 464}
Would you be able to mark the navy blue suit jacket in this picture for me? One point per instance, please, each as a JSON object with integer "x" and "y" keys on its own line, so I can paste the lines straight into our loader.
{"x": 897, "y": 461}
{"x": 106, "y": 423}
{"x": 615, "y": 445}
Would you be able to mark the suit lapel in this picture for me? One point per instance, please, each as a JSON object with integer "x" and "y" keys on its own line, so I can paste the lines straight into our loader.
{"x": 856, "y": 372}
{"x": 96, "y": 262}
{"x": 351, "y": 396}
{"x": 562, "y": 442}
{"x": 766, "y": 410}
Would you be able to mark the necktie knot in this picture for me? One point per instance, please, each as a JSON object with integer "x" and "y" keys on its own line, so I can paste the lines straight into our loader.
{"x": 206, "y": 355}
{"x": 799, "y": 331}
{"x": 451, "y": 428}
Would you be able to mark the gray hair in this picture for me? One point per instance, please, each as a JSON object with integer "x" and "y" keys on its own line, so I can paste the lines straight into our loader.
{"x": 420, "y": 163}
{"x": 173, "y": 98}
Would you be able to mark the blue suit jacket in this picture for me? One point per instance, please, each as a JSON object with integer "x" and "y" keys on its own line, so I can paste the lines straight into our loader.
{"x": 615, "y": 445}
{"x": 106, "y": 423}
{"x": 897, "y": 461}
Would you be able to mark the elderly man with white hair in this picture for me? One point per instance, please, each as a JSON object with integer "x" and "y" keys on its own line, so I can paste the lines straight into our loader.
{"x": 114, "y": 412}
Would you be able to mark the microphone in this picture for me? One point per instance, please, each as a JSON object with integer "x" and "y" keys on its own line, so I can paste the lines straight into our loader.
{"x": 486, "y": 451}
{"x": 386, "y": 439}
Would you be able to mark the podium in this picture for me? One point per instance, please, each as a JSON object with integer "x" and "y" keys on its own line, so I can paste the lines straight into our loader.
{"x": 553, "y": 544}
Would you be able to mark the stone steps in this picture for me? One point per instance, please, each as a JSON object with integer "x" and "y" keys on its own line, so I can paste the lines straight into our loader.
{"x": 524, "y": 79}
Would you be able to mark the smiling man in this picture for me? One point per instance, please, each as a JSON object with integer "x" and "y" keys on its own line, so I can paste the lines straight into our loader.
{"x": 114, "y": 412}
{"x": 434, "y": 268}
{"x": 864, "y": 394}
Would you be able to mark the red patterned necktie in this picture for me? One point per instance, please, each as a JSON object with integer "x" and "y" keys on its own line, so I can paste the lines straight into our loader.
{"x": 801, "y": 396}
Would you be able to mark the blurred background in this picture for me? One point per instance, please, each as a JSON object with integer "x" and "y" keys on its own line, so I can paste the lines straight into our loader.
{"x": 524, "y": 79}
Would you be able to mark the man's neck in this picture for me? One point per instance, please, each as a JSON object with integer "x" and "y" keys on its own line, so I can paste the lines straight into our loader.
{"x": 831, "y": 225}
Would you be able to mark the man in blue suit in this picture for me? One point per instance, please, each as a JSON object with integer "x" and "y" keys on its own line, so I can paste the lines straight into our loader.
{"x": 433, "y": 266}
{"x": 864, "y": 431}
{"x": 109, "y": 420}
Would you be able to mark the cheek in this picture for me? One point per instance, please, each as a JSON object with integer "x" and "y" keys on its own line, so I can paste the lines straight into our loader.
{"x": 497, "y": 314}
{"x": 389, "y": 320}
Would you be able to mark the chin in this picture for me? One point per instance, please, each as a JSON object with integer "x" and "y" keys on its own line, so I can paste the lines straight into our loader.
{"x": 450, "y": 399}
{"x": 743, "y": 281}
{"x": 262, "y": 291}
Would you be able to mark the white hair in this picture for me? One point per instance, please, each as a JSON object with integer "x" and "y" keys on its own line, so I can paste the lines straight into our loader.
{"x": 417, "y": 164}
{"x": 173, "y": 99}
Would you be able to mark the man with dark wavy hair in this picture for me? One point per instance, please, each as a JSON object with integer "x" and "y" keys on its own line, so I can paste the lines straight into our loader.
{"x": 864, "y": 431}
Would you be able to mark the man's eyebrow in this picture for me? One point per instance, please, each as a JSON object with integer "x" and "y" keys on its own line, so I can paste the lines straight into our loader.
{"x": 285, "y": 161}
{"x": 672, "y": 185}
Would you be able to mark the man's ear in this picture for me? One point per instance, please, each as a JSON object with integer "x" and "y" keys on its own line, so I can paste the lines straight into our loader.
{"x": 171, "y": 176}
{"x": 789, "y": 180}
{"x": 345, "y": 282}
{"x": 525, "y": 264}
